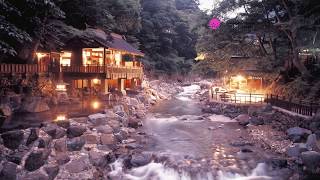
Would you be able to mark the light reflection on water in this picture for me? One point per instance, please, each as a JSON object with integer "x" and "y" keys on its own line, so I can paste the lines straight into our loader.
{"x": 59, "y": 112}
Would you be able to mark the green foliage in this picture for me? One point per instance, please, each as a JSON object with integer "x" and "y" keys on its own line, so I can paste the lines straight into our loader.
{"x": 20, "y": 21}
{"x": 166, "y": 36}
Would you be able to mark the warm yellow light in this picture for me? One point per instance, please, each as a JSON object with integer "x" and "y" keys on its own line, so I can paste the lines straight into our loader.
{"x": 117, "y": 58}
{"x": 96, "y": 81}
{"x": 41, "y": 55}
{"x": 239, "y": 78}
{"x": 61, "y": 117}
{"x": 65, "y": 59}
{"x": 200, "y": 57}
{"x": 95, "y": 105}
{"x": 61, "y": 87}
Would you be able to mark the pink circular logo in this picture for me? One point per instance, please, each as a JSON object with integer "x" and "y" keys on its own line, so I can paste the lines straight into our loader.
{"x": 214, "y": 23}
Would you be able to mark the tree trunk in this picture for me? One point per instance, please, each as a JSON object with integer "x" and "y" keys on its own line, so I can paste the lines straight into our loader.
{"x": 28, "y": 52}
{"x": 295, "y": 54}
{"x": 263, "y": 49}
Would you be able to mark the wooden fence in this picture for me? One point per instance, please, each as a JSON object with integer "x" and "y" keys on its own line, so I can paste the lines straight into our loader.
{"x": 238, "y": 98}
{"x": 299, "y": 107}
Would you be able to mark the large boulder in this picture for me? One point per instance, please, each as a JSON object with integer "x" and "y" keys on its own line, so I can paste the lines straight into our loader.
{"x": 75, "y": 131}
{"x": 52, "y": 171}
{"x": 296, "y": 150}
{"x": 6, "y": 109}
{"x": 60, "y": 145}
{"x": 62, "y": 158}
{"x": 243, "y": 119}
{"x": 36, "y": 175}
{"x": 36, "y": 159}
{"x": 12, "y": 139}
{"x": 34, "y": 105}
{"x": 100, "y": 159}
{"x": 75, "y": 144}
{"x": 98, "y": 119}
{"x": 311, "y": 159}
{"x": 54, "y": 131}
{"x": 256, "y": 121}
{"x": 312, "y": 143}
{"x": 9, "y": 171}
{"x": 34, "y": 134}
{"x": 107, "y": 139}
{"x": 63, "y": 123}
{"x": 297, "y": 134}
{"x": 140, "y": 159}
{"x": 105, "y": 129}
{"x": 77, "y": 165}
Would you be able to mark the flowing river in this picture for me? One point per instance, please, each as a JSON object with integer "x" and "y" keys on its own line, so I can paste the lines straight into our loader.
{"x": 196, "y": 146}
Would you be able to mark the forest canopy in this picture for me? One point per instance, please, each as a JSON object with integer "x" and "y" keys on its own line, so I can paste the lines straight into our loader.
{"x": 162, "y": 29}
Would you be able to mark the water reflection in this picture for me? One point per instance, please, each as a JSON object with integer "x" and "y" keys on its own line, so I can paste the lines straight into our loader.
{"x": 56, "y": 113}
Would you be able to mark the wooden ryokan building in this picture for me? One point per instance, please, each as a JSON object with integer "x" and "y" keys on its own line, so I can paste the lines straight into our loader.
{"x": 93, "y": 59}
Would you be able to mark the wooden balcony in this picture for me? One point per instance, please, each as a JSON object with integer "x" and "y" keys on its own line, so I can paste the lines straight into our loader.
{"x": 112, "y": 72}
{"x": 22, "y": 68}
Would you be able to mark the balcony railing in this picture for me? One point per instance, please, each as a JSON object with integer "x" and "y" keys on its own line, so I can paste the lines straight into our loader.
{"x": 23, "y": 68}
{"x": 110, "y": 71}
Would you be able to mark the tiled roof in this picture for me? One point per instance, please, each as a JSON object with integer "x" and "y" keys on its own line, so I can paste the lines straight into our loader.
{"x": 113, "y": 41}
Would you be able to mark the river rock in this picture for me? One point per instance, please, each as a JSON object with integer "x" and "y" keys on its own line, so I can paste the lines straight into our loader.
{"x": 296, "y": 149}
{"x": 243, "y": 119}
{"x": 6, "y": 109}
{"x": 34, "y": 105}
{"x": 134, "y": 123}
{"x": 36, "y": 175}
{"x": 99, "y": 158}
{"x": 98, "y": 119}
{"x": 75, "y": 131}
{"x": 311, "y": 159}
{"x": 62, "y": 158}
{"x": 114, "y": 124}
{"x": 54, "y": 131}
{"x": 34, "y": 134}
{"x": 256, "y": 121}
{"x": 91, "y": 139}
{"x": 52, "y": 171}
{"x": 60, "y": 145}
{"x": 12, "y": 139}
{"x": 77, "y": 165}
{"x": 75, "y": 144}
{"x": 36, "y": 159}
{"x": 312, "y": 143}
{"x": 82, "y": 120}
{"x": 107, "y": 139}
{"x": 106, "y": 129}
{"x": 16, "y": 156}
{"x": 297, "y": 134}
{"x": 63, "y": 123}
{"x": 138, "y": 160}
{"x": 9, "y": 171}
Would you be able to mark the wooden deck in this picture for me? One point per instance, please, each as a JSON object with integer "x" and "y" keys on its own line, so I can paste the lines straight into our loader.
{"x": 112, "y": 72}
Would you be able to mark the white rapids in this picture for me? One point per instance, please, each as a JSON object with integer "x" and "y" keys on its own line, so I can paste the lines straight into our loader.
{"x": 188, "y": 92}
{"x": 158, "y": 171}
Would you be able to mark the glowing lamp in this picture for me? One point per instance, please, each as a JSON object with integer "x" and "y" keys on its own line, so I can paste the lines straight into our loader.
{"x": 61, "y": 87}
{"x": 96, "y": 81}
{"x": 95, "y": 104}
{"x": 239, "y": 78}
{"x": 61, "y": 117}
{"x": 41, "y": 55}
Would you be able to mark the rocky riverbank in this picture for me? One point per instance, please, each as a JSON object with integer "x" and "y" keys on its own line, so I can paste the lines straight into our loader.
{"x": 294, "y": 138}
{"x": 81, "y": 148}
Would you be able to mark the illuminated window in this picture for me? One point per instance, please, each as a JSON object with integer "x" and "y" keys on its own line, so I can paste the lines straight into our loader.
{"x": 65, "y": 59}
{"x": 117, "y": 57}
